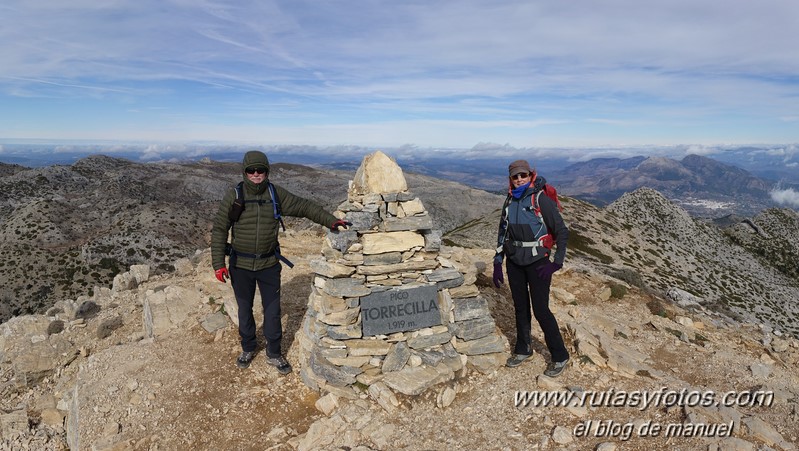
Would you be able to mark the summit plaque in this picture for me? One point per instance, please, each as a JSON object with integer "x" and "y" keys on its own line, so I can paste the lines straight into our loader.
{"x": 400, "y": 310}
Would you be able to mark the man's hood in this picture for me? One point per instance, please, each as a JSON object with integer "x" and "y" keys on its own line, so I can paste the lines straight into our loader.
{"x": 254, "y": 159}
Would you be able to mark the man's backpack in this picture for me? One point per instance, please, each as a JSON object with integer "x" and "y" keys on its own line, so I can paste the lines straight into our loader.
{"x": 239, "y": 204}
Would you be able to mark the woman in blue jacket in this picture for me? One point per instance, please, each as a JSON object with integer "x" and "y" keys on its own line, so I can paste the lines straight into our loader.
{"x": 531, "y": 223}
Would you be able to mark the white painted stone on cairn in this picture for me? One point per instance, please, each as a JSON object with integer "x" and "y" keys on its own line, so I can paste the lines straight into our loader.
{"x": 392, "y": 247}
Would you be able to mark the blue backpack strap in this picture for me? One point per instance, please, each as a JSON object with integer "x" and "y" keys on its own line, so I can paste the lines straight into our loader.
{"x": 239, "y": 191}
{"x": 282, "y": 258}
{"x": 276, "y": 205}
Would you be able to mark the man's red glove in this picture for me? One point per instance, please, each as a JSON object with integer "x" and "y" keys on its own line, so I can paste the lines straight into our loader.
{"x": 221, "y": 274}
{"x": 340, "y": 223}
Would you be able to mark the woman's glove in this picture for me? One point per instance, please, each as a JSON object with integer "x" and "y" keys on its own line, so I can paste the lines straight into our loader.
{"x": 498, "y": 278}
{"x": 546, "y": 270}
{"x": 221, "y": 274}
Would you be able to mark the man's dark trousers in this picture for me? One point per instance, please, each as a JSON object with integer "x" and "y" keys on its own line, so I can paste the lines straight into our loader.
{"x": 268, "y": 282}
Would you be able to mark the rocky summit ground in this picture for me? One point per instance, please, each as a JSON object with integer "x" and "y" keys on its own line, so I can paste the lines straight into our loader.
{"x": 113, "y": 389}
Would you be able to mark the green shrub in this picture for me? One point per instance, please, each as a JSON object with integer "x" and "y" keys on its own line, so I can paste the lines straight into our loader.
{"x": 617, "y": 290}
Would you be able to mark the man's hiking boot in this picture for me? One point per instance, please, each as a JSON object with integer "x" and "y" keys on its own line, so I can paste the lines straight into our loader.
{"x": 516, "y": 360}
{"x": 555, "y": 368}
{"x": 279, "y": 362}
{"x": 244, "y": 359}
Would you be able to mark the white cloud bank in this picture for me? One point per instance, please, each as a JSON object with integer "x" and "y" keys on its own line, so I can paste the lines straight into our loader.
{"x": 788, "y": 197}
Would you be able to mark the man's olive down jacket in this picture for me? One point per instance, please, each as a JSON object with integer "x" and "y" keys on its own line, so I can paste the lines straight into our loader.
{"x": 257, "y": 229}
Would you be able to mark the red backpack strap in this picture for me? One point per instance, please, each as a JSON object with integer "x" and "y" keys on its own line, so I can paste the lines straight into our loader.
{"x": 553, "y": 194}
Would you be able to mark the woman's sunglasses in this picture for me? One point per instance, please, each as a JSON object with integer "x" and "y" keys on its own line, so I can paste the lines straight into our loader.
{"x": 521, "y": 175}
{"x": 255, "y": 170}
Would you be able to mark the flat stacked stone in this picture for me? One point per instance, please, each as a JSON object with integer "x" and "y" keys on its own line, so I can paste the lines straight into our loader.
{"x": 388, "y": 308}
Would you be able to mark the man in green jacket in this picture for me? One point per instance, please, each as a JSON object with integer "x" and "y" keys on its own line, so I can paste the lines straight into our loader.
{"x": 255, "y": 254}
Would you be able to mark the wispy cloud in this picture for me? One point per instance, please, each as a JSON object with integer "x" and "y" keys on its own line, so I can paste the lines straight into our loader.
{"x": 553, "y": 73}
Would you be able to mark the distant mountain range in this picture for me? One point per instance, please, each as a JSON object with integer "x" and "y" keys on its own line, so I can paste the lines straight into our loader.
{"x": 701, "y": 185}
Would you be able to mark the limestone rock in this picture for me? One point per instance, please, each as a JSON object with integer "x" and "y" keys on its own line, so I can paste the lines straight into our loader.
{"x": 410, "y": 223}
{"x": 342, "y": 240}
{"x": 383, "y": 395}
{"x": 367, "y": 347}
{"x": 445, "y": 397}
{"x": 329, "y": 269}
{"x": 760, "y": 370}
{"x": 683, "y": 298}
{"x": 141, "y": 273}
{"x": 363, "y": 220}
{"x": 432, "y": 240}
{"x": 473, "y": 329}
{"x": 396, "y": 358}
{"x": 488, "y": 363}
{"x": 327, "y": 404}
{"x": 486, "y": 345}
{"x": 562, "y": 435}
{"x": 14, "y": 423}
{"x": 214, "y": 322}
{"x": 333, "y": 374}
{"x": 412, "y": 207}
{"x": 33, "y": 360}
{"x": 123, "y": 282}
{"x": 388, "y": 258}
{"x": 376, "y": 243}
{"x": 760, "y": 430}
{"x": 378, "y": 174}
{"x": 167, "y": 309}
{"x": 415, "y": 380}
{"x": 20, "y": 329}
{"x": 342, "y": 287}
{"x": 397, "y": 268}
{"x": 470, "y": 308}
{"x": 464, "y": 291}
{"x": 734, "y": 444}
{"x": 427, "y": 341}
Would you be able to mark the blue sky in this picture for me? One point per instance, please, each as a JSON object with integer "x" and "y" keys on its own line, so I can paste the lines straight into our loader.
{"x": 453, "y": 74}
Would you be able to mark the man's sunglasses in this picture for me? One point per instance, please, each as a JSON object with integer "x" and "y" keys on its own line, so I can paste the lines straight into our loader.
{"x": 255, "y": 170}
{"x": 521, "y": 175}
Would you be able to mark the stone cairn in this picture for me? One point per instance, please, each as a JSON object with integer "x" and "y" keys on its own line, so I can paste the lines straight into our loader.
{"x": 388, "y": 310}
